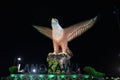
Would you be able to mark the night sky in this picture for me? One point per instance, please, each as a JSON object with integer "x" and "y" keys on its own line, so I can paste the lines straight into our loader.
{"x": 99, "y": 47}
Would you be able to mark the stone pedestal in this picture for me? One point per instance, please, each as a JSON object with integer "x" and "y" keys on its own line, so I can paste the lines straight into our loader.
{"x": 58, "y": 63}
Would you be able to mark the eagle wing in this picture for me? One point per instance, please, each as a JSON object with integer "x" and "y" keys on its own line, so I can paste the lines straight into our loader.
{"x": 44, "y": 30}
{"x": 78, "y": 29}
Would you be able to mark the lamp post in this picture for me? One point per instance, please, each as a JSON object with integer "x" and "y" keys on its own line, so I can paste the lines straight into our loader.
{"x": 18, "y": 59}
{"x": 19, "y": 65}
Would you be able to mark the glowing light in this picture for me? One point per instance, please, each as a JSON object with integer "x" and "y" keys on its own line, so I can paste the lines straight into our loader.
{"x": 112, "y": 77}
{"x": 13, "y": 75}
{"x": 19, "y": 59}
{"x": 51, "y": 76}
{"x": 45, "y": 77}
{"x": 41, "y": 76}
{"x": 107, "y": 78}
{"x": 21, "y": 75}
{"x": 34, "y": 70}
{"x": 62, "y": 76}
{"x": 74, "y": 76}
{"x": 86, "y": 76}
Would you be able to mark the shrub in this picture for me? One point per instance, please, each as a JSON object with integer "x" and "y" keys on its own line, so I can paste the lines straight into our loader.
{"x": 13, "y": 69}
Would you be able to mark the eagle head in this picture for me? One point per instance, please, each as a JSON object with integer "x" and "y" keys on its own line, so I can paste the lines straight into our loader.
{"x": 54, "y": 22}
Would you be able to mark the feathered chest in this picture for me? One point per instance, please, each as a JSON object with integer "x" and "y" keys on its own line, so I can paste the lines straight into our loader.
{"x": 57, "y": 34}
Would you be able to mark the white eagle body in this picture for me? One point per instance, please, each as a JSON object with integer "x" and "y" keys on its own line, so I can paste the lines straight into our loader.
{"x": 57, "y": 33}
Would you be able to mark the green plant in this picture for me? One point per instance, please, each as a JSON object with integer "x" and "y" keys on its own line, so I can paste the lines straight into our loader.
{"x": 91, "y": 71}
{"x": 13, "y": 69}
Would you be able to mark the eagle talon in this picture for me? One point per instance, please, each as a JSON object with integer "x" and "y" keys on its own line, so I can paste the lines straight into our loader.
{"x": 50, "y": 54}
{"x": 64, "y": 53}
{"x": 54, "y": 53}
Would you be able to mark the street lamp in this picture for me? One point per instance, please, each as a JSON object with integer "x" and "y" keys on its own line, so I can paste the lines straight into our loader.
{"x": 19, "y": 58}
{"x": 19, "y": 65}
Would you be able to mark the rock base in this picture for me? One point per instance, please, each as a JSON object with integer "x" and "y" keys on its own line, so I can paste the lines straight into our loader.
{"x": 58, "y": 63}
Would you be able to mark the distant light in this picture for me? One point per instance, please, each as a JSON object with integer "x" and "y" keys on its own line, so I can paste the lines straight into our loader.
{"x": 19, "y": 59}
{"x": 86, "y": 76}
{"x": 112, "y": 77}
{"x": 118, "y": 78}
{"x": 62, "y": 76}
{"x": 34, "y": 70}
{"x": 51, "y": 76}
{"x": 21, "y": 75}
{"x": 12, "y": 75}
{"x": 41, "y": 76}
{"x": 107, "y": 78}
{"x": 74, "y": 76}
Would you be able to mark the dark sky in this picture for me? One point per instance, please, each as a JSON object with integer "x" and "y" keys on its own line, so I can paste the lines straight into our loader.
{"x": 99, "y": 47}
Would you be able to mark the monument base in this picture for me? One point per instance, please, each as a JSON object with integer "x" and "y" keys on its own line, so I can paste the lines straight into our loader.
{"x": 58, "y": 63}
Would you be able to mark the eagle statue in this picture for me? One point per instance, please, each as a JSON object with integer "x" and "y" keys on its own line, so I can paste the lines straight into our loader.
{"x": 61, "y": 36}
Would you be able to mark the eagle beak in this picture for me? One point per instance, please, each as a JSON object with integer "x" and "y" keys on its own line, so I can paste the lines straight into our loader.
{"x": 53, "y": 19}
